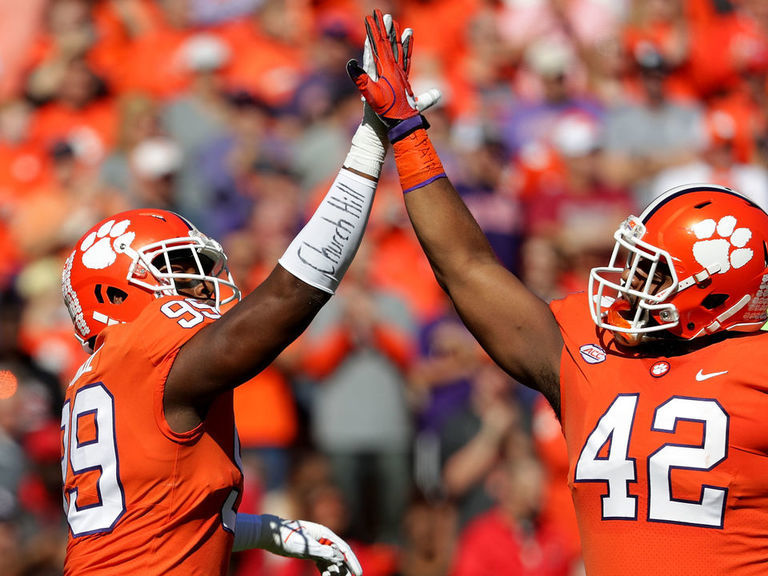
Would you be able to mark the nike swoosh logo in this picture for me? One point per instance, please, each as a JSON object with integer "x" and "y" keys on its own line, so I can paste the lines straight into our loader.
{"x": 700, "y": 376}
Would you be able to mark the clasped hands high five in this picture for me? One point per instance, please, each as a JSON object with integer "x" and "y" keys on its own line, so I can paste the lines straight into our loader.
{"x": 383, "y": 77}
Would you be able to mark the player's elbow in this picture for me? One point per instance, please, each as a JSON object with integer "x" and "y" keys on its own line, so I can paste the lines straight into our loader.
{"x": 462, "y": 270}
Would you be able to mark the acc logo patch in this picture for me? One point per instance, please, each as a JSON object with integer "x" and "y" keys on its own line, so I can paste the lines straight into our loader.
{"x": 592, "y": 353}
{"x": 659, "y": 368}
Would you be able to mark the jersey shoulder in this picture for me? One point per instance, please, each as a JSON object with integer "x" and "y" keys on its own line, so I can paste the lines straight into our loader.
{"x": 169, "y": 322}
{"x": 571, "y": 307}
{"x": 157, "y": 333}
{"x": 573, "y": 317}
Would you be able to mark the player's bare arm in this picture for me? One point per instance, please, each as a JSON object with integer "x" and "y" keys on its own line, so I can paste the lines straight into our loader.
{"x": 239, "y": 345}
{"x": 509, "y": 321}
{"x": 512, "y": 324}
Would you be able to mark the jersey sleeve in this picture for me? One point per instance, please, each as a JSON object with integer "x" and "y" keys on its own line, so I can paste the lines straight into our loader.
{"x": 166, "y": 325}
{"x": 581, "y": 344}
{"x": 157, "y": 335}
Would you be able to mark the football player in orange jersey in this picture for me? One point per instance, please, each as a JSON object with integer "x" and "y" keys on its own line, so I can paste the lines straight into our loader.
{"x": 150, "y": 454}
{"x": 657, "y": 373}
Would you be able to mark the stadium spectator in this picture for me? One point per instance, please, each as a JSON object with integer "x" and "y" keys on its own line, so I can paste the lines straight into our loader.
{"x": 198, "y": 116}
{"x": 440, "y": 381}
{"x": 79, "y": 110}
{"x": 725, "y": 39}
{"x": 557, "y": 505}
{"x": 40, "y": 496}
{"x": 270, "y": 48}
{"x": 568, "y": 203}
{"x": 24, "y": 167}
{"x": 138, "y": 120}
{"x": 661, "y": 27}
{"x": 45, "y": 331}
{"x": 320, "y": 101}
{"x": 473, "y": 440}
{"x": 654, "y": 132}
{"x": 530, "y": 120}
{"x": 155, "y": 164}
{"x": 486, "y": 184}
{"x": 429, "y": 537}
{"x": 30, "y": 399}
{"x": 53, "y": 214}
{"x": 224, "y": 164}
{"x": 155, "y": 58}
{"x": 718, "y": 163}
{"x": 357, "y": 352}
{"x": 23, "y": 162}
{"x": 512, "y": 538}
{"x": 68, "y": 36}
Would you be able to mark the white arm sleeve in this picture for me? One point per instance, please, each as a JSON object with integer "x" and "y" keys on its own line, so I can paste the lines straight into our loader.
{"x": 369, "y": 145}
{"x": 323, "y": 250}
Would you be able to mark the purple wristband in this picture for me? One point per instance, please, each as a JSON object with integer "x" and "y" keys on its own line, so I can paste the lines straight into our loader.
{"x": 427, "y": 181}
{"x": 401, "y": 130}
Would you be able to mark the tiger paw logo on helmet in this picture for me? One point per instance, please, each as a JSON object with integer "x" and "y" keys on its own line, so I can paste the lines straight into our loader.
{"x": 100, "y": 248}
{"x": 718, "y": 251}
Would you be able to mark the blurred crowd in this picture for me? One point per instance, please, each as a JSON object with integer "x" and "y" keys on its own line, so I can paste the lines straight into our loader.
{"x": 384, "y": 421}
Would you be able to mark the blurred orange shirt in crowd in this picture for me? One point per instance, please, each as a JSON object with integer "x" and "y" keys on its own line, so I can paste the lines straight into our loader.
{"x": 553, "y": 453}
{"x": 19, "y": 25}
{"x": 22, "y": 167}
{"x": 91, "y": 130}
{"x": 155, "y": 66}
{"x": 264, "y": 410}
{"x": 264, "y": 66}
{"x": 723, "y": 48}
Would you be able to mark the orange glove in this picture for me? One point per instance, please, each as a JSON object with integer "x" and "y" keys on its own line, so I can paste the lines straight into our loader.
{"x": 390, "y": 94}
{"x": 387, "y": 91}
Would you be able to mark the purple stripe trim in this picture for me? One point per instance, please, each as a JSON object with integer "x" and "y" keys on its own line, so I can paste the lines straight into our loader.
{"x": 406, "y": 126}
{"x": 428, "y": 181}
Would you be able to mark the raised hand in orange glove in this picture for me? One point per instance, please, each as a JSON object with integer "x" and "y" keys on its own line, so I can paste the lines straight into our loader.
{"x": 384, "y": 81}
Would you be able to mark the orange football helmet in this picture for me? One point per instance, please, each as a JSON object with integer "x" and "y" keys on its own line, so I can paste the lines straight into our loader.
{"x": 695, "y": 262}
{"x": 126, "y": 261}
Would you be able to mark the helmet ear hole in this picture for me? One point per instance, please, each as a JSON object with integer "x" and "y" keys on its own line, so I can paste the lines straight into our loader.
{"x": 712, "y": 301}
{"x": 115, "y": 295}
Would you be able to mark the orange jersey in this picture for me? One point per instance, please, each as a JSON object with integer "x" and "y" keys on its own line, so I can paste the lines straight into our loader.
{"x": 140, "y": 498}
{"x": 668, "y": 462}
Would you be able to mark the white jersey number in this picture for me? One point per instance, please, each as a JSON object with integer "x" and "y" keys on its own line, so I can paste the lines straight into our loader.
{"x": 617, "y": 470}
{"x": 189, "y": 313}
{"x": 88, "y": 422}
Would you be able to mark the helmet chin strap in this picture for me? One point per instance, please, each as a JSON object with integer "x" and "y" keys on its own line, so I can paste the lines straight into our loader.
{"x": 614, "y": 317}
{"x": 629, "y": 339}
{"x": 633, "y": 339}
{"x": 715, "y": 325}
{"x": 699, "y": 277}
